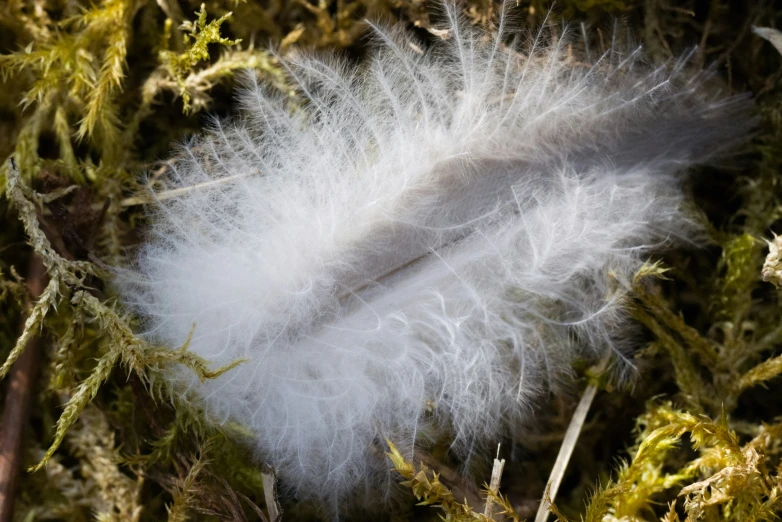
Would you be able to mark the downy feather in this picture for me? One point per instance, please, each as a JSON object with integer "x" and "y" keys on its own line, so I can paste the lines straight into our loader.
{"x": 424, "y": 245}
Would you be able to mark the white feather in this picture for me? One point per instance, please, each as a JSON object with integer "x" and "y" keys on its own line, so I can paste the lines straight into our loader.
{"x": 426, "y": 245}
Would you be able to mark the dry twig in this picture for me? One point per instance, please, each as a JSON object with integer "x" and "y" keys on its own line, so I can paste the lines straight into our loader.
{"x": 17, "y": 401}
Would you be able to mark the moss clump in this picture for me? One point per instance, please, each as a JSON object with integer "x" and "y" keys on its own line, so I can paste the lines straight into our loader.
{"x": 95, "y": 92}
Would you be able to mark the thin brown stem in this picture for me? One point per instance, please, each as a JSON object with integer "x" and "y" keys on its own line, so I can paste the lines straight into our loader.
{"x": 17, "y": 401}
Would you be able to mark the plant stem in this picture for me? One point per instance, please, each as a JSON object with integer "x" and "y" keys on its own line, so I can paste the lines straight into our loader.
{"x": 17, "y": 401}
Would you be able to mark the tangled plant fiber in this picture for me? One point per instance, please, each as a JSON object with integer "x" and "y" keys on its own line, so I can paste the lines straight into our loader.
{"x": 426, "y": 244}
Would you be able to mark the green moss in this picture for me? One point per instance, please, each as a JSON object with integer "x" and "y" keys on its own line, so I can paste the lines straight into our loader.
{"x": 95, "y": 92}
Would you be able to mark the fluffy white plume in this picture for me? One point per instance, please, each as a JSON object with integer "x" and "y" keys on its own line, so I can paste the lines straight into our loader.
{"x": 426, "y": 243}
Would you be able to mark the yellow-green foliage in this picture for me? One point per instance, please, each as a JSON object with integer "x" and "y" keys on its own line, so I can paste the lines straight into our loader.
{"x": 181, "y": 71}
{"x": 429, "y": 491}
{"x": 75, "y": 68}
{"x": 197, "y": 36}
{"x": 726, "y": 481}
{"x": 713, "y": 371}
{"x": 66, "y": 280}
{"x": 95, "y": 91}
{"x": 71, "y": 72}
{"x": 97, "y": 487}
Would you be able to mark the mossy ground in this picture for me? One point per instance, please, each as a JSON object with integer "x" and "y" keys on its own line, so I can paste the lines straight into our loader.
{"x": 94, "y": 93}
